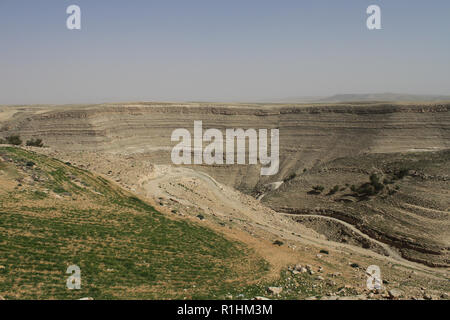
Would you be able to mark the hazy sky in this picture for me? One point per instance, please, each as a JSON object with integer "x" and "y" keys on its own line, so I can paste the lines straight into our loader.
{"x": 223, "y": 50}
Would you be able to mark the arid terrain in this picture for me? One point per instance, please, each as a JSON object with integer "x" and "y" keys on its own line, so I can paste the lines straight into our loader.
{"x": 359, "y": 184}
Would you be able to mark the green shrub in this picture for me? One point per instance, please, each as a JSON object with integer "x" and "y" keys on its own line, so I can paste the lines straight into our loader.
{"x": 366, "y": 189}
{"x": 14, "y": 140}
{"x": 318, "y": 188}
{"x": 334, "y": 190}
{"x": 369, "y": 188}
{"x": 290, "y": 177}
{"x": 278, "y": 243}
{"x": 35, "y": 143}
{"x": 375, "y": 182}
{"x": 392, "y": 192}
{"x": 374, "y": 179}
{"x": 400, "y": 174}
{"x": 30, "y": 164}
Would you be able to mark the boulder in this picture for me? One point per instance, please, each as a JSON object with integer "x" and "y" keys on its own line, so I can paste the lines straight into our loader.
{"x": 428, "y": 296}
{"x": 274, "y": 290}
{"x": 395, "y": 293}
{"x": 298, "y": 267}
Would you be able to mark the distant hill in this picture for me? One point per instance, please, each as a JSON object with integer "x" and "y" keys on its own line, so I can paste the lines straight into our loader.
{"x": 391, "y": 97}
{"x": 365, "y": 97}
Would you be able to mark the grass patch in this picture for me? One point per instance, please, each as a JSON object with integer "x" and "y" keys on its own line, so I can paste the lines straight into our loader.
{"x": 124, "y": 247}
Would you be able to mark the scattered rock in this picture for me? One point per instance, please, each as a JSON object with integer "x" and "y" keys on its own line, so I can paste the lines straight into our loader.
{"x": 379, "y": 290}
{"x": 86, "y": 298}
{"x": 298, "y": 267}
{"x": 358, "y": 297}
{"x": 336, "y": 274}
{"x": 395, "y": 293}
{"x": 329, "y": 298}
{"x": 274, "y": 290}
{"x": 428, "y": 296}
{"x": 261, "y": 298}
{"x": 320, "y": 278}
{"x": 331, "y": 283}
{"x": 2, "y": 298}
{"x": 444, "y": 296}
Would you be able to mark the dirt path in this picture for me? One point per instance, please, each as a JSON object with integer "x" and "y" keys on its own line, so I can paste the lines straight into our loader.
{"x": 392, "y": 253}
{"x": 426, "y": 209}
{"x": 198, "y": 191}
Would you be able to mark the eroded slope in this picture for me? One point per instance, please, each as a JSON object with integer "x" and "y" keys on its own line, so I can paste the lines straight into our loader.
{"x": 410, "y": 212}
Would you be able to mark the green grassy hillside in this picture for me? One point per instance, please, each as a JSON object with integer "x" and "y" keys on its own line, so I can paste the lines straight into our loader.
{"x": 53, "y": 215}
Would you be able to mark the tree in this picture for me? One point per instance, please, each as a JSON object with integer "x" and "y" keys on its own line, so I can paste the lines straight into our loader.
{"x": 14, "y": 140}
{"x": 35, "y": 143}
